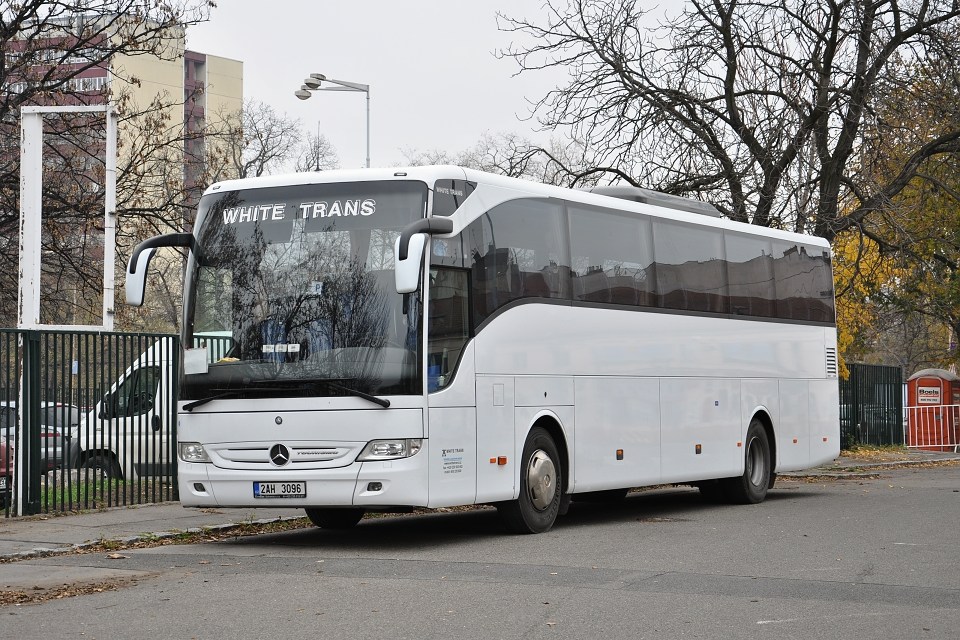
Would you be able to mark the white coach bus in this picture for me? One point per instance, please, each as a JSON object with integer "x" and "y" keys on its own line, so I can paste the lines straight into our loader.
{"x": 437, "y": 336}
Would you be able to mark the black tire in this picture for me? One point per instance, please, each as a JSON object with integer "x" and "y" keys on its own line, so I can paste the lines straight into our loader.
{"x": 608, "y": 496}
{"x": 102, "y": 465}
{"x": 752, "y": 486}
{"x": 541, "y": 483}
{"x": 335, "y": 518}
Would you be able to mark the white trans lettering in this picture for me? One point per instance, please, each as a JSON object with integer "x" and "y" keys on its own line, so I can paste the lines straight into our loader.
{"x": 278, "y": 211}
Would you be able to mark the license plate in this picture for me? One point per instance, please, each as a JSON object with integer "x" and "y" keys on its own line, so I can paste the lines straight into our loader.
{"x": 279, "y": 489}
{"x": 3, "y": 483}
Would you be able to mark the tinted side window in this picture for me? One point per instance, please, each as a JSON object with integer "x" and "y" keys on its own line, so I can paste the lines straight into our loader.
{"x": 804, "y": 282}
{"x": 750, "y": 275}
{"x": 611, "y": 257}
{"x": 517, "y": 250}
{"x": 690, "y": 267}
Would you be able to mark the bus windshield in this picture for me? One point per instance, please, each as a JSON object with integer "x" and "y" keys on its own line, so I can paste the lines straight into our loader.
{"x": 292, "y": 291}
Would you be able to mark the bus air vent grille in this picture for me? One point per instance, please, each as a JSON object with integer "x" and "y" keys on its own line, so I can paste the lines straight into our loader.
{"x": 831, "y": 362}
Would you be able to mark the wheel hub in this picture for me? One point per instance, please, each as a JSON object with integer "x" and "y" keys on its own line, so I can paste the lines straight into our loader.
{"x": 541, "y": 479}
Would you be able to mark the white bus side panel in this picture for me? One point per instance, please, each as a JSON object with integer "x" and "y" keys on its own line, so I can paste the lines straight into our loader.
{"x": 542, "y": 339}
{"x": 793, "y": 431}
{"x": 760, "y": 395}
{"x": 453, "y": 456}
{"x": 495, "y": 439}
{"x": 614, "y": 414}
{"x": 542, "y": 391}
{"x": 700, "y": 429}
{"x": 824, "y": 421}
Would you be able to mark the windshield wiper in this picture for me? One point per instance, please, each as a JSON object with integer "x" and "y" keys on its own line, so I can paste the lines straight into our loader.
{"x": 228, "y": 393}
{"x": 383, "y": 402}
{"x": 232, "y": 393}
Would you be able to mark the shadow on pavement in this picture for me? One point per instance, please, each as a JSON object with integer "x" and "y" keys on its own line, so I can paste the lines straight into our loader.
{"x": 442, "y": 527}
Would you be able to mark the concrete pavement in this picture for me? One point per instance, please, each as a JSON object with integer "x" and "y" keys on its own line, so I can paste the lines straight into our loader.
{"x": 38, "y": 536}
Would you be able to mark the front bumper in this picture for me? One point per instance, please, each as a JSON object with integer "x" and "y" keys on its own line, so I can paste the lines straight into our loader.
{"x": 401, "y": 482}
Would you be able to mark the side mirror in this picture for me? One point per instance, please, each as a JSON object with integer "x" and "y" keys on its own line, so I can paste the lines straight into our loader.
{"x": 136, "y": 283}
{"x": 407, "y": 269}
{"x": 408, "y": 250}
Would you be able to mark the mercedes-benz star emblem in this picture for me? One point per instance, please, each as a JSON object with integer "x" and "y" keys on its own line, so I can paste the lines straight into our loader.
{"x": 279, "y": 455}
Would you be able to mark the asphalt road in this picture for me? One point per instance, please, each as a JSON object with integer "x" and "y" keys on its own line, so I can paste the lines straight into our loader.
{"x": 855, "y": 558}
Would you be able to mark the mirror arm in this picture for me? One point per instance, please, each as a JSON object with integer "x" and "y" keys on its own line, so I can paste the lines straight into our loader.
{"x": 429, "y": 226}
{"x": 168, "y": 240}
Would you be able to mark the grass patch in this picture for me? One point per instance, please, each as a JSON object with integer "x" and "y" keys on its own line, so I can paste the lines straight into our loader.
{"x": 71, "y": 493}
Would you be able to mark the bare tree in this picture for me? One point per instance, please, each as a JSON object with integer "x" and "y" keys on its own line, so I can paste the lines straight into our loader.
{"x": 47, "y": 46}
{"x": 760, "y": 107}
{"x": 259, "y": 141}
{"x": 511, "y": 155}
{"x": 48, "y": 53}
{"x": 316, "y": 154}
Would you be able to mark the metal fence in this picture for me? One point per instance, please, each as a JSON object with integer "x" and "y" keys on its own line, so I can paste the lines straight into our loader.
{"x": 87, "y": 419}
{"x": 934, "y": 427}
{"x": 871, "y": 406}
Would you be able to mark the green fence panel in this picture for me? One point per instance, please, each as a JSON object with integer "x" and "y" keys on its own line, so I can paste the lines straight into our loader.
{"x": 871, "y": 406}
{"x": 94, "y": 414}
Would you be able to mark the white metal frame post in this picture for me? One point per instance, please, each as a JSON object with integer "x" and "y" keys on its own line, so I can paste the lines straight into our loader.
{"x": 31, "y": 213}
{"x": 31, "y": 218}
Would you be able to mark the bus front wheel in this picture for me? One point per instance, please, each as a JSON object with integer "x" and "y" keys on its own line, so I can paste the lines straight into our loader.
{"x": 334, "y": 518}
{"x": 538, "y": 505}
{"x": 751, "y": 487}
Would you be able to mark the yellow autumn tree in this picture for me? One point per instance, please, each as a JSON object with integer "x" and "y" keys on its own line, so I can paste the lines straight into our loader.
{"x": 898, "y": 273}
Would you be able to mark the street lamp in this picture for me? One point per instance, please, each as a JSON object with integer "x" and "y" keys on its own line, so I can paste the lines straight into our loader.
{"x": 314, "y": 83}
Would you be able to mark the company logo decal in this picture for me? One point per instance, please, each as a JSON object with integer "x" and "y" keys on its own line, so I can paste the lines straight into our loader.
{"x": 928, "y": 395}
{"x": 279, "y": 455}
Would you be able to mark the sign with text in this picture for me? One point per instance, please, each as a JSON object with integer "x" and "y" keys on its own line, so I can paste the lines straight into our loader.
{"x": 928, "y": 395}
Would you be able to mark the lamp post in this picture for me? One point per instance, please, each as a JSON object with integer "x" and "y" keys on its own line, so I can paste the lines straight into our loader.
{"x": 315, "y": 83}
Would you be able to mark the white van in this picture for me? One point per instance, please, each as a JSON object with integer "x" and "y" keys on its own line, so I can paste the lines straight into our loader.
{"x": 131, "y": 431}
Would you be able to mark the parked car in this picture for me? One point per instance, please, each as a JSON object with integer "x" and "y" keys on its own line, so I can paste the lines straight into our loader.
{"x": 58, "y": 422}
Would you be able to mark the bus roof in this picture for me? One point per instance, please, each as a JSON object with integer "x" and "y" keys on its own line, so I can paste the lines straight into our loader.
{"x": 429, "y": 174}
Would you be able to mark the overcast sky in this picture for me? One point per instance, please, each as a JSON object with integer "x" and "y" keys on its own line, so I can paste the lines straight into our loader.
{"x": 434, "y": 80}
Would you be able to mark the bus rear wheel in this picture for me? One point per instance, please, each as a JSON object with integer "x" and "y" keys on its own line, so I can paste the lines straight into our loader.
{"x": 538, "y": 505}
{"x": 757, "y": 478}
{"x": 335, "y": 518}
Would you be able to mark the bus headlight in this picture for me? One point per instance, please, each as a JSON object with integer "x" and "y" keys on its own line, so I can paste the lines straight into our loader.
{"x": 390, "y": 449}
{"x": 192, "y": 452}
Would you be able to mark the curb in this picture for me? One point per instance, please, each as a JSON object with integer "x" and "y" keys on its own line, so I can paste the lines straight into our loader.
{"x": 46, "y": 552}
{"x": 834, "y": 472}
